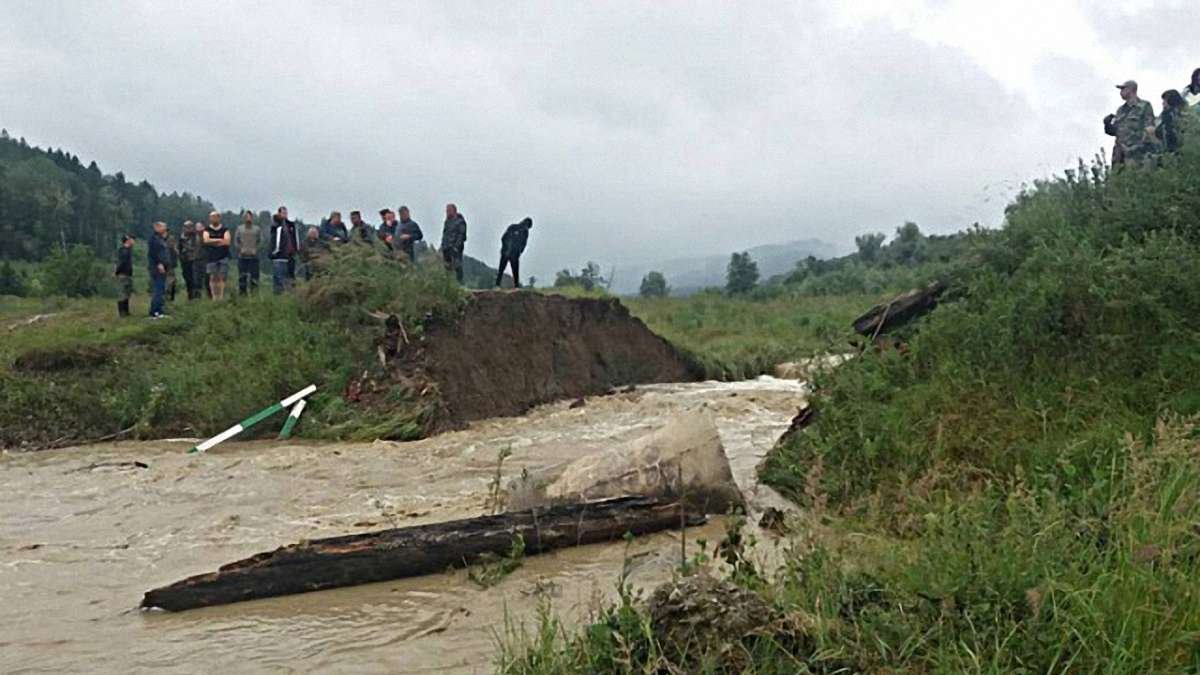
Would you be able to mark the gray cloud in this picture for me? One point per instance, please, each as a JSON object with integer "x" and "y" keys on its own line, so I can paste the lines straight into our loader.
{"x": 628, "y": 131}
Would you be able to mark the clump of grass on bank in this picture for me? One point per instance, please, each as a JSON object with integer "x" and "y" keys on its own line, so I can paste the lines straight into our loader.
{"x": 212, "y": 363}
{"x": 1017, "y": 491}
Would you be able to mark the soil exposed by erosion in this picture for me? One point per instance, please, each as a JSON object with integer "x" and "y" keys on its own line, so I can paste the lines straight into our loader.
{"x": 507, "y": 353}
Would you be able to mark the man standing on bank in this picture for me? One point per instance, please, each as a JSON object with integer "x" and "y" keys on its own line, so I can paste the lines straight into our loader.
{"x": 158, "y": 257}
{"x": 124, "y": 275}
{"x": 217, "y": 241}
{"x": 408, "y": 233}
{"x": 285, "y": 245}
{"x": 454, "y": 240}
{"x": 246, "y": 241}
{"x": 191, "y": 257}
{"x": 512, "y": 245}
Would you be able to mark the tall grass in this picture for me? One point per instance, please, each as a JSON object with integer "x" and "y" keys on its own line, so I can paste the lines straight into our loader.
{"x": 1017, "y": 491}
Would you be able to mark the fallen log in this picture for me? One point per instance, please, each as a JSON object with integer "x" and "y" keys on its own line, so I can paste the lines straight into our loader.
{"x": 900, "y": 310}
{"x": 413, "y": 551}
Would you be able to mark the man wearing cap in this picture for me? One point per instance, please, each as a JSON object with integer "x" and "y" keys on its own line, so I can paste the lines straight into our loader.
{"x": 1132, "y": 124}
{"x": 124, "y": 275}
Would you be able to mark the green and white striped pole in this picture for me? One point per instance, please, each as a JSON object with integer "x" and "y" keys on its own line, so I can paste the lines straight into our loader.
{"x": 293, "y": 418}
{"x": 254, "y": 419}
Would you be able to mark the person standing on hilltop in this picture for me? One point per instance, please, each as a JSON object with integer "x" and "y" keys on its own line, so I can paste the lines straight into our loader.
{"x": 1191, "y": 93}
{"x": 285, "y": 245}
{"x": 1168, "y": 131}
{"x": 408, "y": 234}
{"x": 189, "y": 255}
{"x": 387, "y": 227}
{"x": 247, "y": 240}
{"x": 454, "y": 240}
{"x": 1132, "y": 124}
{"x": 158, "y": 258}
{"x": 512, "y": 245}
{"x": 360, "y": 230}
{"x": 217, "y": 241}
{"x": 334, "y": 230}
{"x": 124, "y": 275}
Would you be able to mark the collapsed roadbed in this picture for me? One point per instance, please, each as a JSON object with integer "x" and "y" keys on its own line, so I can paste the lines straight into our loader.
{"x": 506, "y": 353}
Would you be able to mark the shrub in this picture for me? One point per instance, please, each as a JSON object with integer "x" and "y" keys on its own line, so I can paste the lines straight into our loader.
{"x": 75, "y": 272}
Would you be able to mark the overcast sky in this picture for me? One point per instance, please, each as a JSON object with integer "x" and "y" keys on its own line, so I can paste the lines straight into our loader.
{"x": 627, "y": 130}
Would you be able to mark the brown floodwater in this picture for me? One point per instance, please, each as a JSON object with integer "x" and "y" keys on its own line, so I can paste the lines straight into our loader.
{"x": 85, "y": 531}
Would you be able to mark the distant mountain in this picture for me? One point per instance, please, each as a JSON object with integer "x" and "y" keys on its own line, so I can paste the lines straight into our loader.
{"x": 687, "y": 275}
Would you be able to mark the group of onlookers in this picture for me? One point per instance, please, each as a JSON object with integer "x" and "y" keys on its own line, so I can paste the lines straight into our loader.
{"x": 203, "y": 251}
{"x": 1141, "y": 135}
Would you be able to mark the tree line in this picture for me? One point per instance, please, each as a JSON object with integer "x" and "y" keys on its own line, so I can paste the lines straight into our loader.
{"x": 50, "y": 201}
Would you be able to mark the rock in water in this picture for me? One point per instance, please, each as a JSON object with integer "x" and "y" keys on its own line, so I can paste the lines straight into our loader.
{"x": 688, "y": 448}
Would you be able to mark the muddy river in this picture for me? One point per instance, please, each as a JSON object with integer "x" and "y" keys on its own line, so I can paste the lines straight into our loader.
{"x": 85, "y": 531}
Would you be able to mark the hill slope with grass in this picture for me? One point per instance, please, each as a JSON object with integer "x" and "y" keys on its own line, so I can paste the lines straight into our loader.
{"x": 1017, "y": 491}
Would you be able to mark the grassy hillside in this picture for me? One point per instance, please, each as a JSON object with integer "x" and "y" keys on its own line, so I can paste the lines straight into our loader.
{"x": 1018, "y": 493}
{"x": 84, "y": 373}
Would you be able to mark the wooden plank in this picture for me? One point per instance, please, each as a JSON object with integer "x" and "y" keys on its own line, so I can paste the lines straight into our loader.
{"x": 413, "y": 551}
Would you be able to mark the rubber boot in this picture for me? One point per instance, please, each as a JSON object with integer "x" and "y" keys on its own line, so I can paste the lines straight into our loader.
{"x": 122, "y": 308}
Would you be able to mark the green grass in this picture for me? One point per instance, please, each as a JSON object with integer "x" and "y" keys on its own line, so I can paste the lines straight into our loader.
{"x": 1017, "y": 491}
{"x": 737, "y": 337}
{"x": 212, "y": 364}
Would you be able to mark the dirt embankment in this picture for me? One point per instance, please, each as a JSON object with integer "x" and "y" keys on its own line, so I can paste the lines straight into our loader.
{"x": 508, "y": 352}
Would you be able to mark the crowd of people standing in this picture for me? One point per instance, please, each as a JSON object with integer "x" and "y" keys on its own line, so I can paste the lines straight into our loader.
{"x": 204, "y": 252}
{"x": 1140, "y": 135}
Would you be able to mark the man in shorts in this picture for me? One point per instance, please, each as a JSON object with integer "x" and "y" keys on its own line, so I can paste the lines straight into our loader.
{"x": 217, "y": 240}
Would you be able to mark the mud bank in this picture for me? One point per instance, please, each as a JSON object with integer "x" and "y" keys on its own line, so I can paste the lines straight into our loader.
{"x": 507, "y": 353}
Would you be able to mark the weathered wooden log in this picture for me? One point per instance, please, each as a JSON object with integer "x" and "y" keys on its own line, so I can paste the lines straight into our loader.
{"x": 413, "y": 551}
{"x": 900, "y": 310}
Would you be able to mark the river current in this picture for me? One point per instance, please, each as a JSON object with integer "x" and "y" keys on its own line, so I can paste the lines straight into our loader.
{"x": 85, "y": 531}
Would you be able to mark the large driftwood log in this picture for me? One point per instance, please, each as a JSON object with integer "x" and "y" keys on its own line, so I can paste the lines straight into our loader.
{"x": 900, "y": 310}
{"x": 413, "y": 551}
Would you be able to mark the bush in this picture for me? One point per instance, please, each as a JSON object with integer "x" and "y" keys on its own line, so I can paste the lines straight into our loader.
{"x": 12, "y": 282}
{"x": 75, "y": 273}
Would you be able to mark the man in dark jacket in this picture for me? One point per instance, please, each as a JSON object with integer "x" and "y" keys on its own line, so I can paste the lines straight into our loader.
{"x": 454, "y": 240}
{"x": 360, "y": 230}
{"x": 512, "y": 245}
{"x": 124, "y": 275}
{"x": 334, "y": 230}
{"x": 408, "y": 233}
{"x": 387, "y": 227}
{"x": 284, "y": 245}
{"x": 158, "y": 257}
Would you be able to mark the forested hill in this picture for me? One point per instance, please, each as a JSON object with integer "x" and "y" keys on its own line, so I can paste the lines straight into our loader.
{"x": 49, "y": 199}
